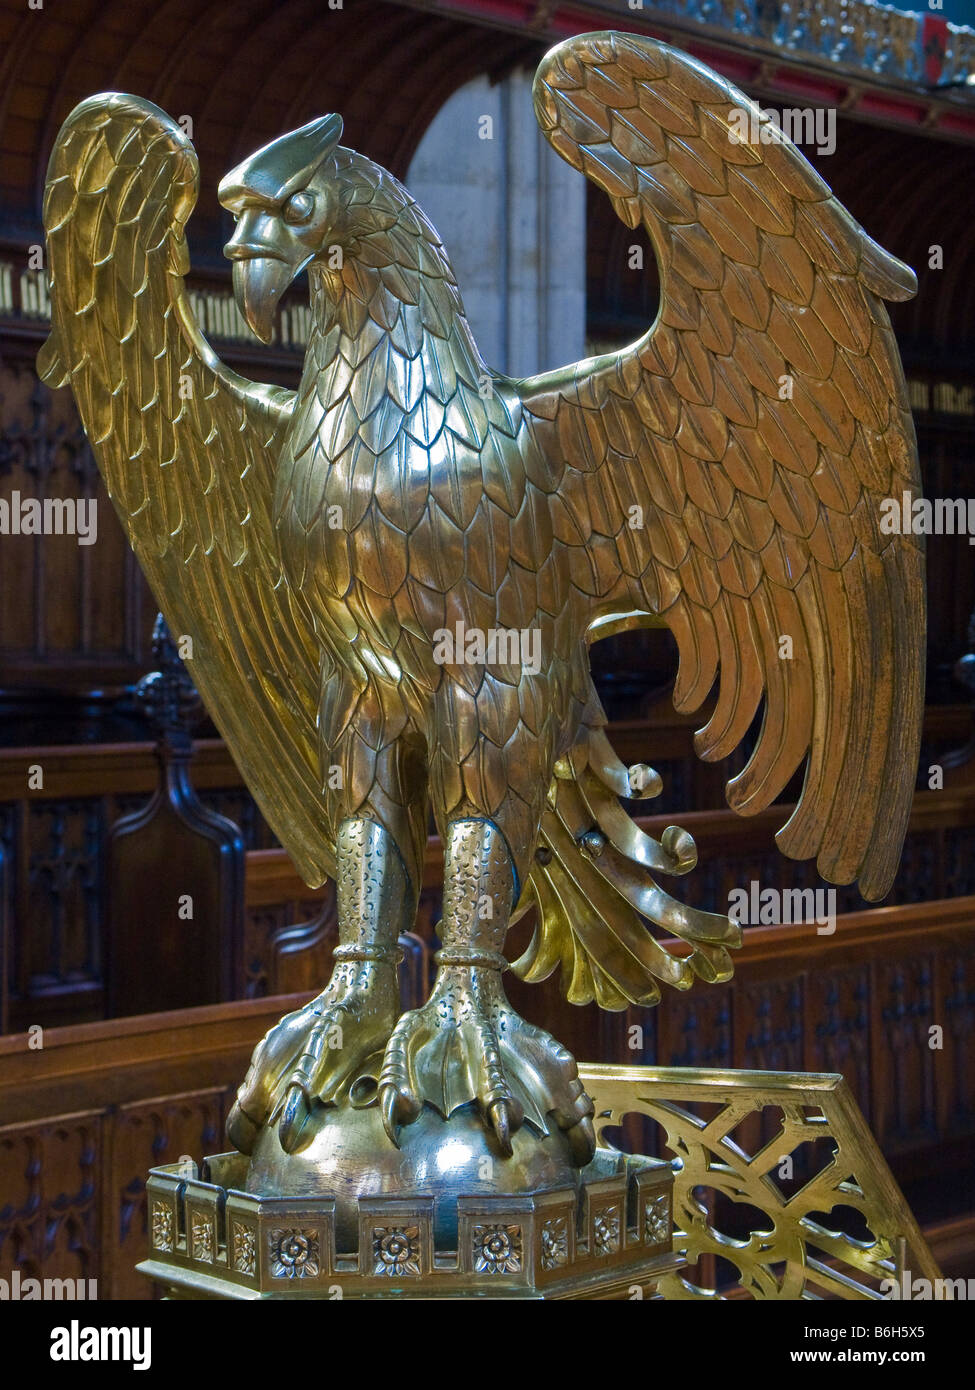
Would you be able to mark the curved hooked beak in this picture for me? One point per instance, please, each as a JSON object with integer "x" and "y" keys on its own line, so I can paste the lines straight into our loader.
{"x": 259, "y": 283}
{"x": 264, "y": 266}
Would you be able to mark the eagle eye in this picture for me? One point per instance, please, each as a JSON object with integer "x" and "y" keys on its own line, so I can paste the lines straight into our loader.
{"x": 299, "y": 208}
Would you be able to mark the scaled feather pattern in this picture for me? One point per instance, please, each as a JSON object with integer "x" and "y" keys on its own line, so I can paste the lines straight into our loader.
{"x": 723, "y": 476}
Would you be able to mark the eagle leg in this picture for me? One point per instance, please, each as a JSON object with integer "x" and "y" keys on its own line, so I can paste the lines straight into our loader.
{"x": 466, "y": 1044}
{"x": 316, "y": 1054}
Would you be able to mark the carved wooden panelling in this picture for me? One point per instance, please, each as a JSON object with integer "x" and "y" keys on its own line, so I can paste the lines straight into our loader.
{"x": 72, "y": 1191}
{"x": 261, "y": 926}
{"x": 905, "y": 1076}
{"x": 696, "y": 1032}
{"x": 63, "y": 604}
{"x": 959, "y": 861}
{"x": 144, "y": 1136}
{"x": 49, "y": 1198}
{"x": 64, "y": 903}
{"x": 838, "y": 1009}
{"x": 958, "y": 1019}
{"x": 770, "y": 1025}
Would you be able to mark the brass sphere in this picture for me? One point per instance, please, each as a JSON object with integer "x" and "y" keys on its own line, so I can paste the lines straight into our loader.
{"x": 348, "y": 1155}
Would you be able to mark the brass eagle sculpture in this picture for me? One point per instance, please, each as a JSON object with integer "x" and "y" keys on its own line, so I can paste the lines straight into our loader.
{"x": 721, "y": 476}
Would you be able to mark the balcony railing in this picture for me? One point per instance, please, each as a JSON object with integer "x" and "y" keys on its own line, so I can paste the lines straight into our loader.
{"x": 859, "y": 36}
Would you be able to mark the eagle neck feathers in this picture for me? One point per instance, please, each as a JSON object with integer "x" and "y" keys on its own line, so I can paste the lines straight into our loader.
{"x": 388, "y": 322}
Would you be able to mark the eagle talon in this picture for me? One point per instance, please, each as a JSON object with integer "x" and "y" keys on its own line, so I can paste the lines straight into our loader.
{"x": 242, "y": 1129}
{"x": 582, "y": 1142}
{"x": 509, "y": 1069}
{"x": 312, "y": 1054}
{"x": 388, "y": 1108}
{"x": 294, "y": 1115}
{"x": 397, "y": 1107}
{"x": 500, "y": 1117}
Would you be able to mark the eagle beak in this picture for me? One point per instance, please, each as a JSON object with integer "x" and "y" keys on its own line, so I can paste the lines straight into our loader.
{"x": 259, "y": 283}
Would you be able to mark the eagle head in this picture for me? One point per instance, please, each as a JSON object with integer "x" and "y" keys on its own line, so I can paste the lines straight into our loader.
{"x": 287, "y": 209}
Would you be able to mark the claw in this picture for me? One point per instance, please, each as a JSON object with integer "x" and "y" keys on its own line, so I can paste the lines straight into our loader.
{"x": 397, "y": 1108}
{"x": 388, "y": 1106}
{"x": 242, "y": 1131}
{"x": 582, "y": 1141}
{"x": 499, "y": 1113}
{"x": 293, "y": 1116}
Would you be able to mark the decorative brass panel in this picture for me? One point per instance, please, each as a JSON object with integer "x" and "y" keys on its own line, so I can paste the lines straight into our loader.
{"x": 607, "y": 1236}
{"x": 795, "y": 1256}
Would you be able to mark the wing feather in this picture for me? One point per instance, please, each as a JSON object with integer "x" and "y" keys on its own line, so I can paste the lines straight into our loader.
{"x": 764, "y": 424}
{"x": 187, "y": 448}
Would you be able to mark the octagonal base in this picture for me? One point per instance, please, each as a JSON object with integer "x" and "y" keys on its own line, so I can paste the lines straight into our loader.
{"x": 601, "y": 1235}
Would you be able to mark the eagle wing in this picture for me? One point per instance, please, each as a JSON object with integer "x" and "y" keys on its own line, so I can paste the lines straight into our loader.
{"x": 186, "y": 447}
{"x": 756, "y": 428}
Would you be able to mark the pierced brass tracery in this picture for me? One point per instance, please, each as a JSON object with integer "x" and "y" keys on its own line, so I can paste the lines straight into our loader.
{"x": 803, "y": 1251}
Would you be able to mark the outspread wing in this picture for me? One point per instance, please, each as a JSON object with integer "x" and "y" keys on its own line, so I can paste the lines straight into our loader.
{"x": 187, "y": 448}
{"x": 757, "y": 428}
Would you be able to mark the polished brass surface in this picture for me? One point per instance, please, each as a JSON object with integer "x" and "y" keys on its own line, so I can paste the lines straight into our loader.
{"x": 804, "y": 1247}
{"x": 604, "y": 1234}
{"x": 337, "y": 1038}
{"x": 467, "y": 1043}
{"x": 349, "y": 1159}
{"x": 368, "y": 568}
{"x": 619, "y": 1223}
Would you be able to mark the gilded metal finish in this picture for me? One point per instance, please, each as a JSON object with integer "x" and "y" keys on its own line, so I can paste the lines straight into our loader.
{"x": 324, "y": 1050}
{"x": 722, "y": 476}
{"x": 806, "y": 1249}
{"x": 605, "y": 1232}
{"x": 350, "y": 1158}
{"x": 467, "y": 1043}
{"x": 620, "y": 1223}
